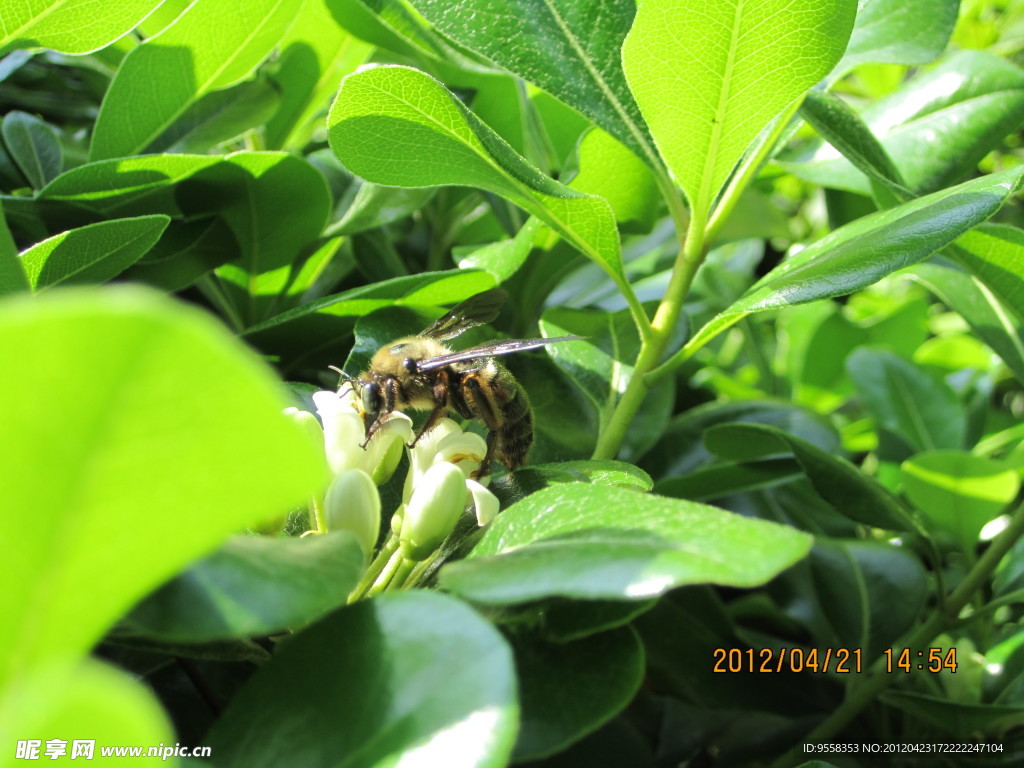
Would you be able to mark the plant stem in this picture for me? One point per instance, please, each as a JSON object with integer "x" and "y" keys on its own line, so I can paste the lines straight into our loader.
{"x": 390, "y": 570}
{"x": 388, "y": 549}
{"x": 749, "y": 167}
{"x": 213, "y": 291}
{"x": 316, "y": 514}
{"x": 877, "y": 679}
{"x": 691, "y": 253}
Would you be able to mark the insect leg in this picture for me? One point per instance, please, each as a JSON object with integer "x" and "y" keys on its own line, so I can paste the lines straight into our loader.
{"x": 440, "y": 394}
{"x": 389, "y": 394}
{"x": 481, "y": 402}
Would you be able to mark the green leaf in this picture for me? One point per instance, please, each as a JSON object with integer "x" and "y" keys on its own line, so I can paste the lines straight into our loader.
{"x": 995, "y": 254}
{"x": 277, "y": 206}
{"x": 908, "y": 403}
{"x": 165, "y": 75}
{"x": 959, "y": 492}
{"x": 382, "y": 326}
{"x": 185, "y": 252}
{"x": 611, "y": 171}
{"x": 898, "y": 32}
{"x": 567, "y": 690}
{"x": 12, "y": 273}
{"x": 400, "y": 127}
{"x": 728, "y": 479}
{"x": 170, "y": 439}
{"x": 413, "y": 675}
{"x": 955, "y": 717}
{"x": 594, "y": 542}
{"x": 987, "y": 316}
{"x": 709, "y": 77}
{"x": 682, "y": 450}
{"x": 34, "y": 147}
{"x": 843, "y": 128}
{"x": 564, "y": 425}
{"x": 92, "y": 254}
{"x": 91, "y": 697}
{"x": 252, "y": 586}
{"x": 937, "y": 127}
{"x": 504, "y": 257}
{"x": 602, "y": 367}
{"x": 315, "y": 53}
{"x": 866, "y": 250}
{"x": 70, "y": 26}
{"x": 569, "y": 49}
{"x": 515, "y": 486}
{"x": 567, "y": 620}
{"x": 389, "y": 25}
{"x": 143, "y": 184}
{"x": 317, "y": 326}
{"x": 371, "y": 206}
{"x": 840, "y": 483}
{"x": 218, "y": 117}
{"x": 870, "y": 593}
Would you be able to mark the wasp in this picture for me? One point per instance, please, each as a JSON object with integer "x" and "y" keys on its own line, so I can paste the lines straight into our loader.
{"x": 421, "y": 373}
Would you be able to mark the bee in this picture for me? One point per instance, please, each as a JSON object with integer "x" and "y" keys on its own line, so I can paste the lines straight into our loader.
{"x": 421, "y": 373}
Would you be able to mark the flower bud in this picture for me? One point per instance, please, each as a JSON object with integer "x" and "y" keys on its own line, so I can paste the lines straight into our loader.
{"x": 386, "y": 447}
{"x": 307, "y": 422}
{"x": 437, "y": 501}
{"x": 353, "y": 504}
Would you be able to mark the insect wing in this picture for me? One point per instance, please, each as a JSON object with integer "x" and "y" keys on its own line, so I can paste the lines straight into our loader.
{"x": 490, "y": 349}
{"x": 476, "y": 310}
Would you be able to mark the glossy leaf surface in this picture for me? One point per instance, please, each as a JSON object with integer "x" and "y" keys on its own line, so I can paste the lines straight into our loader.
{"x": 416, "y": 677}
{"x": 586, "y": 541}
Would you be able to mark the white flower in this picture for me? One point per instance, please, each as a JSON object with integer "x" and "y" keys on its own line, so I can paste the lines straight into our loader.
{"x": 344, "y": 434}
{"x": 446, "y": 443}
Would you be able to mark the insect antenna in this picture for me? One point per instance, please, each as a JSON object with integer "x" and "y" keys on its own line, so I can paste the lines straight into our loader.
{"x": 345, "y": 379}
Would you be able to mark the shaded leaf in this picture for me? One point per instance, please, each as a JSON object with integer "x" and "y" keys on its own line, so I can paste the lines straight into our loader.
{"x": 995, "y": 254}
{"x": 846, "y": 487}
{"x": 252, "y": 586}
{"x": 414, "y": 674}
{"x": 219, "y": 116}
{"x": 908, "y": 403}
{"x": 979, "y": 307}
{"x": 841, "y": 127}
{"x": 567, "y": 690}
{"x": 870, "y": 593}
{"x": 12, "y": 274}
{"x": 33, "y": 146}
{"x": 315, "y": 53}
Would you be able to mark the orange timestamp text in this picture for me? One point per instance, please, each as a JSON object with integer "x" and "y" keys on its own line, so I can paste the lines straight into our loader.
{"x": 835, "y": 660}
